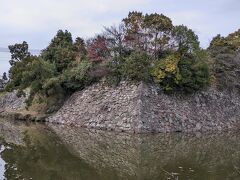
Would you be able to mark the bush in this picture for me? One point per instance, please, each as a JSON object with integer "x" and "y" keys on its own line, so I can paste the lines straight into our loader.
{"x": 194, "y": 75}
{"x": 77, "y": 78}
{"x": 166, "y": 72}
{"x": 184, "y": 74}
{"x": 136, "y": 66}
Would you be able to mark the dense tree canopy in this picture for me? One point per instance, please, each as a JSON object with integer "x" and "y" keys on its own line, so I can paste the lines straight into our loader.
{"x": 144, "y": 47}
{"x": 60, "y": 51}
{"x": 225, "y": 53}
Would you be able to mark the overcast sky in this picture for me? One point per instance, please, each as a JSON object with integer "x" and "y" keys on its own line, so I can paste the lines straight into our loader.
{"x": 37, "y": 21}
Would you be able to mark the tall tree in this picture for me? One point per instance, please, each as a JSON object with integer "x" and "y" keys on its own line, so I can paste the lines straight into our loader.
{"x": 97, "y": 49}
{"x": 80, "y": 49}
{"x": 115, "y": 39}
{"x": 60, "y": 51}
{"x": 185, "y": 40}
{"x": 158, "y": 30}
{"x": 150, "y": 33}
{"x": 134, "y": 35}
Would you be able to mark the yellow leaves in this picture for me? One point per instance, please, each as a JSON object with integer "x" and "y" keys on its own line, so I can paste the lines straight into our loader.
{"x": 167, "y": 68}
{"x": 171, "y": 68}
{"x": 159, "y": 76}
{"x": 170, "y": 64}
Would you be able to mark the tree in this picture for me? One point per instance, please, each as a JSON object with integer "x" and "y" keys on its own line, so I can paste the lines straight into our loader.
{"x": 166, "y": 72}
{"x": 4, "y": 77}
{"x": 77, "y": 78}
{"x": 158, "y": 30}
{"x": 55, "y": 74}
{"x": 137, "y": 66}
{"x": 97, "y": 49}
{"x": 194, "y": 74}
{"x": 60, "y": 51}
{"x": 18, "y": 52}
{"x": 150, "y": 33}
{"x": 115, "y": 40}
{"x": 181, "y": 73}
{"x": 134, "y": 35}
{"x": 224, "y": 52}
{"x": 80, "y": 49}
{"x": 185, "y": 40}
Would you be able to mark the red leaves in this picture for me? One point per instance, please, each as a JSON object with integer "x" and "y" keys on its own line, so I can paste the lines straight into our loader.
{"x": 97, "y": 49}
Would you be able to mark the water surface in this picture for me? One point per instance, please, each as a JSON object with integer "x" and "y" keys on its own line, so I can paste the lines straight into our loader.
{"x": 35, "y": 151}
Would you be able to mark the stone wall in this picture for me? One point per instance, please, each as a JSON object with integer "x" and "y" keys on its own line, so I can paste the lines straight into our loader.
{"x": 10, "y": 102}
{"x": 143, "y": 108}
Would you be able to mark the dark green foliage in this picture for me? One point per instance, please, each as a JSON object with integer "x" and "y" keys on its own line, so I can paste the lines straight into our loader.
{"x": 61, "y": 69}
{"x": 32, "y": 72}
{"x": 136, "y": 66}
{"x": 61, "y": 51}
{"x": 4, "y": 77}
{"x": 186, "y": 40}
{"x": 80, "y": 46}
{"x": 77, "y": 78}
{"x": 176, "y": 73}
{"x": 115, "y": 70}
{"x": 226, "y": 61}
{"x": 3, "y": 81}
{"x": 18, "y": 52}
{"x": 194, "y": 75}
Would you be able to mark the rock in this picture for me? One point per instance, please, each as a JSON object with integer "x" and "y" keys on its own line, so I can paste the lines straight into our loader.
{"x": 198, "y": 126}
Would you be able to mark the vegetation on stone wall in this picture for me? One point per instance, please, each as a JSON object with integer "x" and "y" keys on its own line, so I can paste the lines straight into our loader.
{"x": 225, "y": 55}
{"x": 141, "y": 48}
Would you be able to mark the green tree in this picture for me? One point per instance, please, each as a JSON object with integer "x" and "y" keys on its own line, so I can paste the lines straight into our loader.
{"x": 77, "y": 78}
{"x": 176, "y": 73}
{"x": 80, "y": 49}
{"x": 136, "y": 66}
{"x": 18, "y": 52}
{"x": 186, "y": 41}
{"x": 224, "y": 52}
{"x": 194, "y": 74}
{"x": 60, "y": 51}
{"x": 31, "y": 72}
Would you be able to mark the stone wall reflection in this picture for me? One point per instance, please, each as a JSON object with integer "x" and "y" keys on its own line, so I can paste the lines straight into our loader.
{"x": 61, "y": 152}
{"x": 11, "y": 132}
{"x": 201, "y": 156}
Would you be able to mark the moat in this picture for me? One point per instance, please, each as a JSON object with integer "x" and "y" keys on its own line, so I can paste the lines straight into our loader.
{"x": 47, "y": 151}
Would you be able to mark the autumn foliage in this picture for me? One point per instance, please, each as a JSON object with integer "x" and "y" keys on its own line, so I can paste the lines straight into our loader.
{"x": 143, "y": 47}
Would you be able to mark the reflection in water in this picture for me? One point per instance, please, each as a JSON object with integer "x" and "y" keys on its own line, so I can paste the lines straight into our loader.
{"x": 2, "y": 162}
{"x": 59, "y": 152}
{"x": 187, "y": 156}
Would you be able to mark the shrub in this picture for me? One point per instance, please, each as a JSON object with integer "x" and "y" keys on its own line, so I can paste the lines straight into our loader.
{"x": 166, "y": 72}
{"x": 77, "y": 78}
{"x": 136, "y": 66}
{"x": 194, "y": 75}
{"x": 184, "y": 74}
